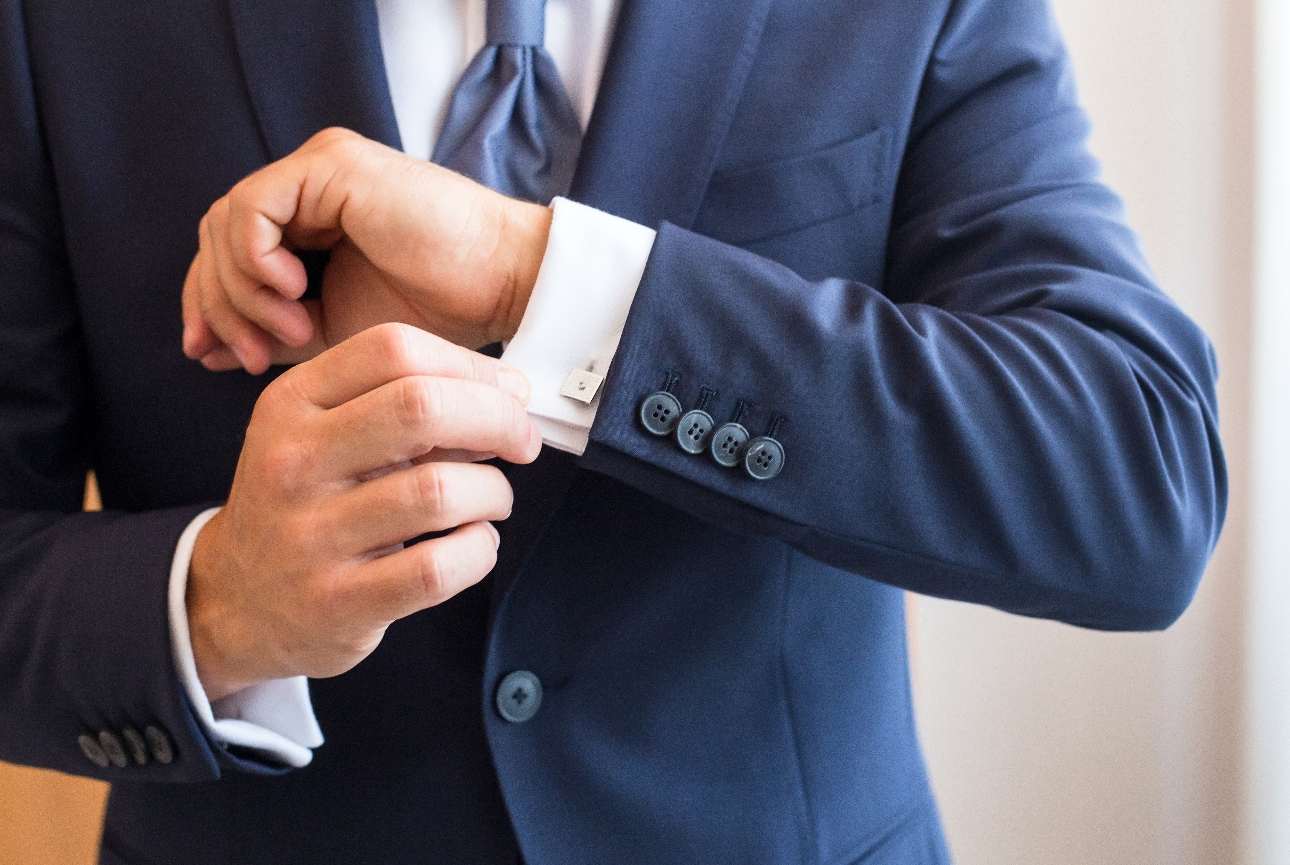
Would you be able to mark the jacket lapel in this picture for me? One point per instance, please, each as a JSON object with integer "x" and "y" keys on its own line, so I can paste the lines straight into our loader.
{"x": 675, "y": 72}
{"x": 672, "y": 81}
{"x": 311, "y": 66}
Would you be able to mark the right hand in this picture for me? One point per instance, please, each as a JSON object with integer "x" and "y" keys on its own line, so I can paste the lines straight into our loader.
{"x": 304, "y": 568}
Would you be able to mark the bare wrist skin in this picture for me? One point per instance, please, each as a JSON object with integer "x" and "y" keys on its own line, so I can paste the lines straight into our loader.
{"x": 527, "y": 227}
{"x": 212, "y": 632}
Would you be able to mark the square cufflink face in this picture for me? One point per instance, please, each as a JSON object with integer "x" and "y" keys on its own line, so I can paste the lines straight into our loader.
{"x": 582, "y": 386}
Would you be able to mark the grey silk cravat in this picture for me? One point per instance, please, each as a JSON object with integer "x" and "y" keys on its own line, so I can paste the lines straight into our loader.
{"x": 510, "y": 125}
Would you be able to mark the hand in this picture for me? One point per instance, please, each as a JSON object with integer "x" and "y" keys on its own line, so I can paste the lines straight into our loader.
{"x": 304, "y": 568}
{"x": 410, "y": 242}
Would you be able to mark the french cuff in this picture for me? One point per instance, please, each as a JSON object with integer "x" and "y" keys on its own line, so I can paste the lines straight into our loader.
{"x": 570, "y": 331}
{"x": 274, "y": 719}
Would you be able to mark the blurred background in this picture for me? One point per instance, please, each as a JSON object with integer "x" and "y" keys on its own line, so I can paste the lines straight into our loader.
{"x": 1048, "y": 744}
{"x": 1052, "y": 745}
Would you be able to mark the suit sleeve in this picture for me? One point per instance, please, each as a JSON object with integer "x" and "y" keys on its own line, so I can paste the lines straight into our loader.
{"x": 84, "y": 637}
{"x": 1018, "y": 418}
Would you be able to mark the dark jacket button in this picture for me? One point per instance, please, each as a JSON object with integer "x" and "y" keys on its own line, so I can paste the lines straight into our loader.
{"x": 113, "y": 748}
{"x": 764, "y": 458}
{"x": 728, "y": 444}
{"x": 693, "y": 431}
{"x": 519, "y": 696}
{"x": 659, "y": 412}
{"x": 92, "y": 750}
{"x": 159, "y": 744}
{"x": 137, "y": 747}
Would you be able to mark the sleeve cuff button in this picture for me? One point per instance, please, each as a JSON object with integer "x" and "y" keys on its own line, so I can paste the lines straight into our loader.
{"x": 764, "y": 458}
{"x": 159, "y": 744}
{"x": 660, "y": 413}
{"x": 92, "y": 750}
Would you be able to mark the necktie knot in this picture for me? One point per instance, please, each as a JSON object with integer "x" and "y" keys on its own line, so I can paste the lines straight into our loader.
{"x": 510, "y": 125}
{"x": 516, "y": 22}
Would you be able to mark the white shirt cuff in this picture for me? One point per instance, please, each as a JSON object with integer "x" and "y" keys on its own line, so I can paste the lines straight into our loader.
{"x": 275, "y": 719}
{"x": 570, "y": 331}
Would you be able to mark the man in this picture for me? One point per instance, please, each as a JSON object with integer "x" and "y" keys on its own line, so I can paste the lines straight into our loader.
{"x": 881, "y": 251}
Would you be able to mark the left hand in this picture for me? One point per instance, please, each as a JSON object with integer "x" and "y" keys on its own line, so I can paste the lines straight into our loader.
{"x": 411, "y": 242}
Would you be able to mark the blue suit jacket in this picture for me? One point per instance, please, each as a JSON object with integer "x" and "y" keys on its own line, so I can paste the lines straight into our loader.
{"x": 877, "y": 219}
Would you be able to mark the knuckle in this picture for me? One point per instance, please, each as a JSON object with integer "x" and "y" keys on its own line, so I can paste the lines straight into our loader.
{"x": 285, "y": 461}
{"x": 421, "y": 402}
{"x": 339, "y": 144}
{"x": 395, "y": 347}
{"x": 335, "y": 135}
{"x": 513, "y": 419}
{"x": 285, "y": 390}
{"x": 240, "y": 199}
{"x": 432, "y": 573}
{"x": 431, "y": 492}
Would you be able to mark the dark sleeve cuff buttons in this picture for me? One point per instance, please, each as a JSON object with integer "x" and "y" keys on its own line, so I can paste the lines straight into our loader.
{"x": 108, "y": 749}
{"x": 695, "y": 431}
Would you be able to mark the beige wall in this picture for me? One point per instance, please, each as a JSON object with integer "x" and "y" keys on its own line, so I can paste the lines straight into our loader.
{"x": 47, "y": 818}
{"x": 1052, "y": 745}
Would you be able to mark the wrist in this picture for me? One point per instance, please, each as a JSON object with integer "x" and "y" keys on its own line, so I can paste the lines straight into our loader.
{"x": 526, "y": 228}
{"x": 208, "y": 627}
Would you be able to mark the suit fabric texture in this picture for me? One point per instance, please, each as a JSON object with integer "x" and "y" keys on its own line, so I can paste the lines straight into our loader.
{"x": 876, "y": 219}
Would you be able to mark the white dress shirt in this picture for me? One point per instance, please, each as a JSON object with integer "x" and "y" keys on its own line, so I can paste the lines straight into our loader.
{"x": 568, "y": 336}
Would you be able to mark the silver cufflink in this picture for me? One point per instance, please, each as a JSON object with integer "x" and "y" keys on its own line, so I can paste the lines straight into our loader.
{"x": 582, "y": 385}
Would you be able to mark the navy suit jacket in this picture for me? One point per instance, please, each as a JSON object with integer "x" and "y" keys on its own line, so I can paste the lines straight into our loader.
{"x": 877, "y": 219}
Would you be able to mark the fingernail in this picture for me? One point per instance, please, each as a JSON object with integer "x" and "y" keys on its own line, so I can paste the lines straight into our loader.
{"x": 513, "y": 382}
{"x": 497, "y": 538}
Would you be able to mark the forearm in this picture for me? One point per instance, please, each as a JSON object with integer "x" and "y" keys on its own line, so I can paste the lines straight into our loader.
{"x": 1017, "y": 454}
{"x": 85, "y": 643}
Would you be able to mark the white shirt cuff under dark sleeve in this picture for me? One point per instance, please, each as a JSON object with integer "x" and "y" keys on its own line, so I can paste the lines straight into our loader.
{"x": 275, "y": 719}
{"x": 569, "y": 334}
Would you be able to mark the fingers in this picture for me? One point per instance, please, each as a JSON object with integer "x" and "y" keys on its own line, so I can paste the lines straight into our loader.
{"x": 410, "y": 416}
{"x": 305, "y": 192}
{"x": 227, "y": 278}
{"x": 199, "y": 340}
{"x": 374, "y": 515}
{"x": 382, "y": 354}
{"x": 422, "y": 575}
{"x": 287, "y": 355}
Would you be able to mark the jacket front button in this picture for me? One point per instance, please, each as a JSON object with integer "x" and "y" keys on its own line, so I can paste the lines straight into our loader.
{"x": 92, "y": 750}
{"x": 519, "y": 696}
{"x": 113, "y": 748}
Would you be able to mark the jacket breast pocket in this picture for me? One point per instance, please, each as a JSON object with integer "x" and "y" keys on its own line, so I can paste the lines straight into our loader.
{"x": 751, "y": 204}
